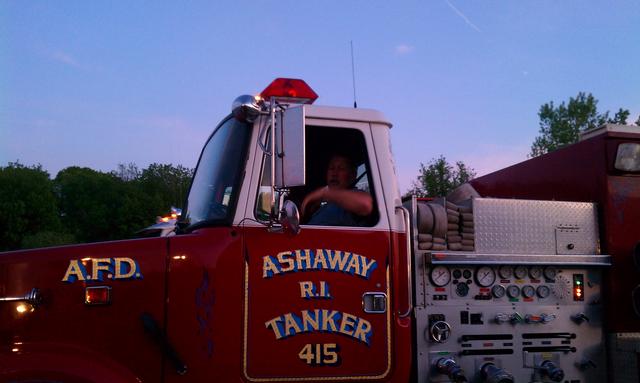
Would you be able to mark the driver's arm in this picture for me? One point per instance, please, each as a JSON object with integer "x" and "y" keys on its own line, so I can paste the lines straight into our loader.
{"x": 357, "y": 202}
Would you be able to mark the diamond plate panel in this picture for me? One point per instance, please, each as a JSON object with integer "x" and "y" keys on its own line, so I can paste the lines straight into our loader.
{"x": 510, "y": 226}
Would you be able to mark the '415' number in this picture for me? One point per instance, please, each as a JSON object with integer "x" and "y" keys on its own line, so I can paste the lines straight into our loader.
{"x": 320, "y": 354}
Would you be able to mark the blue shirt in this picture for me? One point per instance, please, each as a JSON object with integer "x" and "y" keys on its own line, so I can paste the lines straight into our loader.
{"x": 330, "y": 214}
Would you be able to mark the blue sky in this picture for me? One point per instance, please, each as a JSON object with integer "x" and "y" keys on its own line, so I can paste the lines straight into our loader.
{"x": 100, "y": 83}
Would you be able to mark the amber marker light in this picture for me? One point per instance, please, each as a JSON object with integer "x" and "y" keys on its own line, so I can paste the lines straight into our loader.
{"x": 97, "y": 295}
{"x": 24, "y": 308}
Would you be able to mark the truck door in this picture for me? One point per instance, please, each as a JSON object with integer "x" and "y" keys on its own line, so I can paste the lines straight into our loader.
{"x": 316, "y": 304}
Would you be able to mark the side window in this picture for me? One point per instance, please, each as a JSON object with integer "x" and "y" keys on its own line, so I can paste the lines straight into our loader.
{"x": 263, "y": 203}
{"x": 339, "y": 188}
{"x": 262, "y": 210}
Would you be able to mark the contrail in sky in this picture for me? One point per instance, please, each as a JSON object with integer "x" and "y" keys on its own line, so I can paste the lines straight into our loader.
{"x": 465, "y": 18}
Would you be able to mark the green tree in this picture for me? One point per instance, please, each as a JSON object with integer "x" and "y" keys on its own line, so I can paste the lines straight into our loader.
{"x": 97, "y": 206}
{"x": 167, "y": 184}
{"x": 561, "y": 125}
{"x": 27, "y": 207}
{"x": 439, "y": 177}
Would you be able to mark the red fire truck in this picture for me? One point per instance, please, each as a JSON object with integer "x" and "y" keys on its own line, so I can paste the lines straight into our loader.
{"x": 527, "y": 278}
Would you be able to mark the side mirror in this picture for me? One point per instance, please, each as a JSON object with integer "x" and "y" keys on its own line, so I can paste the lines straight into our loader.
{"x": 290, "y": 150}
{"x": 290, "y": 217}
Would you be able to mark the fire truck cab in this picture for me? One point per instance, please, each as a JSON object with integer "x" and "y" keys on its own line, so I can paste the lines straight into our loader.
{"x": 292, "y": 301}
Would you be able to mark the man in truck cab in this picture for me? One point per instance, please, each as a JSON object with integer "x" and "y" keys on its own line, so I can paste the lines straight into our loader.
{"x": 337, "y": 203}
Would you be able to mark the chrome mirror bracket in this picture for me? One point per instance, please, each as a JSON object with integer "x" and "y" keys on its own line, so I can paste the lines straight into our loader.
{"x": 285, "y": 216}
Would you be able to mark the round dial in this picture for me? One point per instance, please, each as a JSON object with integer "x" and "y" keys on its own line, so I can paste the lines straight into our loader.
{"x": 462, "y": 289}
{"x": 440, "y": 276}
{"x": 550, "y": 273}
{"x": 528, "y": 291}
{"x": 498, "y": 291}
{"x": 520, "y": 272}
{"x": 457, "y": 274}
{"x": 513, "y": 291}
{"x": 466, "y": 274}
{"x": 535, "y": 272}
{"x": 505, "y": 271}
{"x": 543, "y": 291}
{"x": 485, "y": 276}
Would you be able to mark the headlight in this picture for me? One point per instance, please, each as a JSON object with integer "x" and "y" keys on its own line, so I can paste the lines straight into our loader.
{"x": 628, "y": 157}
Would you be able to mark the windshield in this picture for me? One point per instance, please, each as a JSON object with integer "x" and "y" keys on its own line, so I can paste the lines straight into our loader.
{"x": 216, "y": 183}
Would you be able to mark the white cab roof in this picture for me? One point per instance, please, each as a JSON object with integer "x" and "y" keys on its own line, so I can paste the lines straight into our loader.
{"x": 346, "y": 114}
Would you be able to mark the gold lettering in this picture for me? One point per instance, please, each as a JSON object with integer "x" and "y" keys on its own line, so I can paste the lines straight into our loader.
{"x": 268, "y": 266}
{"x": 273, "y": 324}
{"x": 76, "y": 270}
{"x": 324, "y": 290}
{"x": 320, "y": 261}
{"x": 289, "y": 324}
{"x": 367, "y": 265}
{"x": 118, "y": 268}
{"x": 283, "y": 258}
{"x": 309, "y": 324}
{"x": 353, "y": 265}
{"x": 338, "y": 259}
{"x": 303, "y": 256}
{"x": 306, "y": 289}
{"x": 320, "y": 320}
{"x": 362, "y": 331}
{"x": 347, "y": 324}
{"x": 329, "y": 320}
{"x": 100, "y": 265}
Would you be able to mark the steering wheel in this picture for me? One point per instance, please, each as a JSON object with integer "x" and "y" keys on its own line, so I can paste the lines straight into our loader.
{"x": 217, "y": 210}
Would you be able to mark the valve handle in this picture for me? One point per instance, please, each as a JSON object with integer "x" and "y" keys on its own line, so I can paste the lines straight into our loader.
{"x": 449, "y": 367}
{"x": 555, "y": 373}
{"x": 493, "y": 374}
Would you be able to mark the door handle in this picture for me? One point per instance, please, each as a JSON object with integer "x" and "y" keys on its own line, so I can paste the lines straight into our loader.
{"x": 374, "y": 303}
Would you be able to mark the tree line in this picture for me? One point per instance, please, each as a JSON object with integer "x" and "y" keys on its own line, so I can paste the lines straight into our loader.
{"x": 84, "y": 205}
{"x": 559, "y": 126}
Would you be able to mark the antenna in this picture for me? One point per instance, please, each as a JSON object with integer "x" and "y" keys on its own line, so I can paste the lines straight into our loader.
{"x": 353, "y": 76}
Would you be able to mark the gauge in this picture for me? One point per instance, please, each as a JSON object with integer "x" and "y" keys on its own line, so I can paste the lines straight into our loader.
{"x": 520, "y": 272}
{"x": 528, "y": 291}
{"x": 485, "y": 276}
{"x": 440, "y": 276}
{"x": 498, "y": 291}
{"x": 513, "y": 291}
{"x": 462, "y": 289}
{"x": 550, "y": 273}
{"x": 535, "y": 272}
{"x": 466, "y": 274}
{"x": 505, "y": 272}
{"x": 457, "y": 274}
{"x": 543, "y": 291}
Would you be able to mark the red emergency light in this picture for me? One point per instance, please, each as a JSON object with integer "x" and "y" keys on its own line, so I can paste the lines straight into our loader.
{"x": 289, "y": 90}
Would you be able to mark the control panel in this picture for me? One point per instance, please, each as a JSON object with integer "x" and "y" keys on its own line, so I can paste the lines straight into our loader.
{"x": 509, "y": 322}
